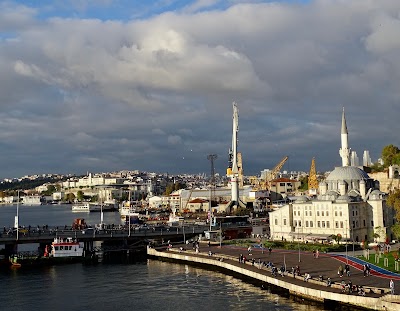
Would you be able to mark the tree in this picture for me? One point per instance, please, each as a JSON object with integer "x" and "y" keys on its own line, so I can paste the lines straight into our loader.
{"x": 336, "y": 237}
{"x": 396, "y": 230}
{"x": 70, "y": 197}
{"x": 304, "y": 183}
{"x": 390, "y": 155}
{"x": 79, "y": 195}
{"x": 393, "y": 200}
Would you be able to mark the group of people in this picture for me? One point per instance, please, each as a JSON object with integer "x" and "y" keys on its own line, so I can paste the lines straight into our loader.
{"x": 342, "y": 271}
{"x": 350, "y": 288}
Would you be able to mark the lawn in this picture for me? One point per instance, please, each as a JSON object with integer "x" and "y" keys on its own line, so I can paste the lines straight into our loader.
{"x": 391, "y": 256}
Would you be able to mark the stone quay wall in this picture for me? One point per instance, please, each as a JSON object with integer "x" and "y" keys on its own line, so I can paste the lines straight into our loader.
{"x": 387, "y": 302}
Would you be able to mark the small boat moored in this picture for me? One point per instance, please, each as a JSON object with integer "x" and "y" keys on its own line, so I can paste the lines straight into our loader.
{"x": 64, "y": 247}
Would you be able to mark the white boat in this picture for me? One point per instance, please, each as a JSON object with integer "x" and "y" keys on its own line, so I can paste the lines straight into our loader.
{"x": 66, "y": 247}
{"x": 127, "y": 208}
{"x": 85, "y": 207}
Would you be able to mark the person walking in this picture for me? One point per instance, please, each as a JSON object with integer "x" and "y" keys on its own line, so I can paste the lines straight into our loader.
{"x": 340, "y": 271}
{"x": 391, "y": 285}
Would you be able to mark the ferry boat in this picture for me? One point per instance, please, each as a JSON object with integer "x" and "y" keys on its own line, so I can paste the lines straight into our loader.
{"x": 85, "y": 207}
{"x": 127, "y": 208}
{"x": 66, "y": 247}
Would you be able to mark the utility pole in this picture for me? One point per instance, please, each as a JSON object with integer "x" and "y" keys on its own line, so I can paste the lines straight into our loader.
{"x": 211, "y": 158}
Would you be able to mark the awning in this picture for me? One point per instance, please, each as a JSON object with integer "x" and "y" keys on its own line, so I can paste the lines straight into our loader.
{"x": 310, "y": 236}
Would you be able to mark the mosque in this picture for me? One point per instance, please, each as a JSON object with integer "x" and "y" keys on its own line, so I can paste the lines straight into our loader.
{"x": 349, "y": 204}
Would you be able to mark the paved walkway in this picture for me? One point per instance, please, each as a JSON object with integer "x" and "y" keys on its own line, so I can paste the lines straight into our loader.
{"x": 326, "y": 265}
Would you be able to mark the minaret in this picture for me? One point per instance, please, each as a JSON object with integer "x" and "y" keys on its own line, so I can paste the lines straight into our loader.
{"x": 235, "y": 169}
{"x": 344, "y": 151}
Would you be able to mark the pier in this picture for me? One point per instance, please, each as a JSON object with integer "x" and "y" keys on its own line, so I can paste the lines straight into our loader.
{"x": 315, "y": 290}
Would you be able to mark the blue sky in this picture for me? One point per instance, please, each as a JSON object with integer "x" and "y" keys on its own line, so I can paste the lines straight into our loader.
{"x": 127, "y": 10}
{"x": 110, "y": 85}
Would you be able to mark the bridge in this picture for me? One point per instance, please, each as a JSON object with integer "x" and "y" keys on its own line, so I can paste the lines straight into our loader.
{"x": 111, "y": 239}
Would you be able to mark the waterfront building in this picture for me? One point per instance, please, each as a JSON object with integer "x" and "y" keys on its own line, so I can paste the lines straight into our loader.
{"x": 349, "y": 204}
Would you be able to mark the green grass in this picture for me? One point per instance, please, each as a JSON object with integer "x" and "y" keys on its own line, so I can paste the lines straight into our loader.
{"x": 391, "y": 260}
{"x": 288, "y": 245}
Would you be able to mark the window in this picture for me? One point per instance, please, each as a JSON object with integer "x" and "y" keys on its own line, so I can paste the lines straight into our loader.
{"x": 282, "y": 184}
{"x": 318, "y": 224}
{"x": 306, "y": 213}
{"x": 276, "y": 221}
{"x": 327, "y": 213}
{"x": 284, "y": 222}
{"x": 364, "y": 222}
{"x": 299, "y": 223}
{"x": 310, "y": 213}
{"x": 335, "y": 213}
{"x": 311, "y": 224}
{"x": 336, "y": 224}
{"x": 341, "y": 224}
{"x": 322, "y": 213}
{"x": 372, "y": 223}
{"x": 323, "y": 224}
{"x": 295, "y": 223}
{"x": 340, "y": 214}
{"x": 327, "y": 224}
{"x": 317, "y": 213}
{"x": 306, "y": 223}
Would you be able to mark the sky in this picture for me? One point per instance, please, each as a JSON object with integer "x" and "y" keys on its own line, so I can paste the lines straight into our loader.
{"x": 103, "y": 85}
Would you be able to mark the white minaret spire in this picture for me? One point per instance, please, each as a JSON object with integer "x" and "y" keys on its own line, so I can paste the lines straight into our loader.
{"x": 235, "y": 171}
{"x": 344, "y": 151}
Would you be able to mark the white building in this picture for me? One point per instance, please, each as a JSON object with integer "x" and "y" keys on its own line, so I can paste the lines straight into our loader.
{"x": 349, "y": 204}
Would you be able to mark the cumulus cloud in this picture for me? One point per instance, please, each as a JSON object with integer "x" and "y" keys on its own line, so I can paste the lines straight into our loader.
{"x": 156, "y": 85}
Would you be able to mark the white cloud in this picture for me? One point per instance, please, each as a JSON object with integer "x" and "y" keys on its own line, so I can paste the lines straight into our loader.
{"x": 116, "y": 85}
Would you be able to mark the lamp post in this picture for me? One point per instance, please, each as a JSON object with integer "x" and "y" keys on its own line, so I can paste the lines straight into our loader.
{"x": 347, "y": 258}
{"x": 16, "y": 221}
{"x": 298, "y": 241}
{"x": 183, "y": 228}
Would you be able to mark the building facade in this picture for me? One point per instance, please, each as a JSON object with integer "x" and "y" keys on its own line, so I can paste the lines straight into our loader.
{"x": 349, "y": 204}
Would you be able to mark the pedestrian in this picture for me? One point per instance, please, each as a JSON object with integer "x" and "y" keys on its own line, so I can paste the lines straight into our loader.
{"x": 313, "y": 253}
{"x": 347, "y": 269}
{"x": 340, "y": 271}
{"x": 365, "y": 270}
{"x": 391, "y": 285}
{"x": 269, "y": 250}
{"x": 316, "y": 253}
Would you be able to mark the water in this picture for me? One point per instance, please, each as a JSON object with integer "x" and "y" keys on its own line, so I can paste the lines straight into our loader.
{"x": 153, "y": 285}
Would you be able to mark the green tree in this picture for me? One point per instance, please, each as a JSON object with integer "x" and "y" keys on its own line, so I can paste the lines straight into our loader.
{"x": 393, "y": 200}
{"x": 79, "y": 195}
{"x": 336, "y": 237}
{"x": 70, "y": 197}
{"x": 304, "y": 183}
{"x": 242, "y": 211}
{"x": 390, "y": 155}
{"x": 396, "y": 230}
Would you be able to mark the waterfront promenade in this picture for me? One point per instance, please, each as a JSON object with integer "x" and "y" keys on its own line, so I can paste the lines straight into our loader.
{"x": 376, "y": 285}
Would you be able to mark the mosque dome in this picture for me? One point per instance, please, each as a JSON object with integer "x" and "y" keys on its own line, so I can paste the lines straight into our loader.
{"x": 347, "y": 173}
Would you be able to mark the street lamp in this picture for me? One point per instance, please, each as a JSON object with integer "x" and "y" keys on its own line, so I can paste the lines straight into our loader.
{"x": 16, "y": 221}
{"x": 298, "y": 241}
{"x": 347, "y": 258}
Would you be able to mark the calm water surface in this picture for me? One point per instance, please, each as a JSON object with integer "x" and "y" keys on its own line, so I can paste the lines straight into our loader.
{"x": 153, "y": 285}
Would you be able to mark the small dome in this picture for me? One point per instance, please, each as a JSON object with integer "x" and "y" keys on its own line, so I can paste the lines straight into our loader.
{"x": 347, "y": 173}
{"x": 344, "y": 198}
{"x": 301, "y": 199}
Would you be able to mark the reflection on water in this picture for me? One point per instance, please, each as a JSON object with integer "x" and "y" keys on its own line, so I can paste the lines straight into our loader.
{"x": 153, "y": 285}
